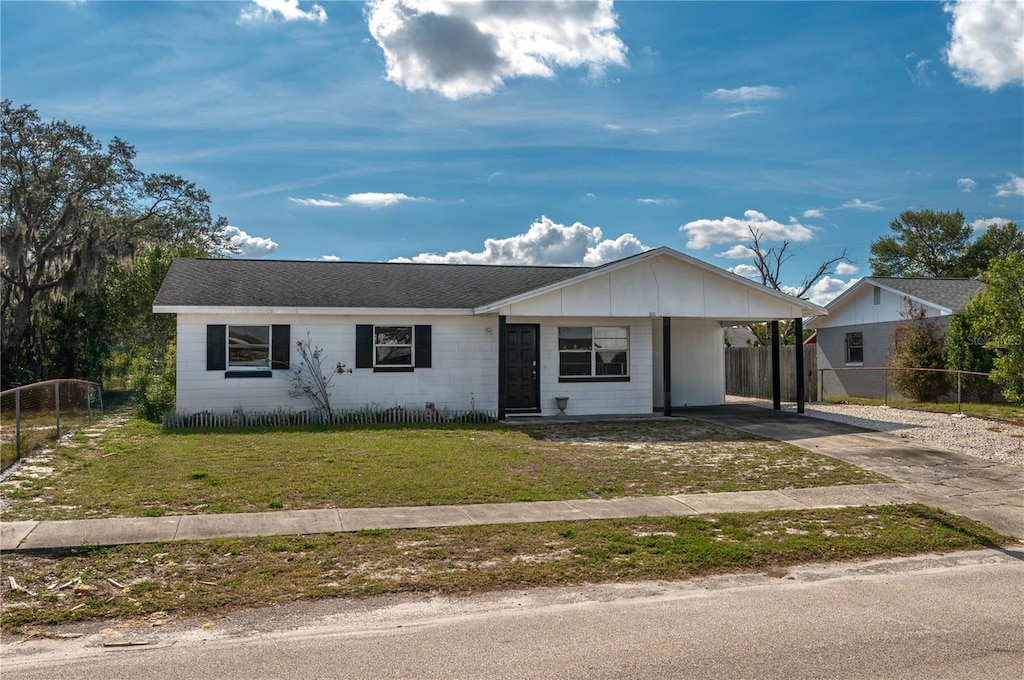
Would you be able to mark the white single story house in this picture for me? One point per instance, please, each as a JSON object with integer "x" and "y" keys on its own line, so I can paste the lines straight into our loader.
{"x": 637, "y": 335}
{"x": 859, "y": 329}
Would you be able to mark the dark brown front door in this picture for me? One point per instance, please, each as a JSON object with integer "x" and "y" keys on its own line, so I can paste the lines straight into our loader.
{"x": 522, "y": 367}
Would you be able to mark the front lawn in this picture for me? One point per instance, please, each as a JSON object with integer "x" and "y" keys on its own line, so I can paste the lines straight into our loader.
{"x": 139, "y": 470}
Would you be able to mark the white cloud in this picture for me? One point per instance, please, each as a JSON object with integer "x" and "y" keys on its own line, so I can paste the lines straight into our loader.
{"x": 1012, "y": 187}
{"x": 368, "y": 200}
{"x": 737, "y": 252}
{"x": 374, "y": 200}
{"x": 846, "y": 268}
{"x": 317, "y": 202}
{"x": 743, "y": 112}
{"x": 656, "y": 201}
{"x": 986, "y": 47}
{"x": 827, "y": 289}
{"x": 289, "y": 10}
{"x": 966, "y": 184}
{"x": 747, "y": 271}
{"x": 546, "y": 243}
{"x": 329, "y": 258}
{"x": 704, "y": 233}
{"x": 813, "y": 213}
{"x": 460, "y": 48}
{"x": 984, "y": 223}
{"x": 248, "y": 246}
{"x": 918, "y": 70}
{"x": 745, "y": 94}
{"x": 866, "y": 206}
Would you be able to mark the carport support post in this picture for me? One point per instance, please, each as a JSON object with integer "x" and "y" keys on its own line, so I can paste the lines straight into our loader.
{"x": 776, "y": 368}
{"x": 666, "y": 360}
{"x": 798, "y": 335}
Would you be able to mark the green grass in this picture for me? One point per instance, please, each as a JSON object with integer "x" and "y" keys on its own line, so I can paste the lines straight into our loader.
{"x": 1006, "y": 412}
{"x": 165, "y": 581}
{"x": 140, "y": 470}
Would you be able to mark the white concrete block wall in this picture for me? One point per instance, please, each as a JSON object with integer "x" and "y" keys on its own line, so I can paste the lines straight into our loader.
{"x": 698, "y": 363}
{"x": 595, "y": 398}
{"x": 463, "y": 375}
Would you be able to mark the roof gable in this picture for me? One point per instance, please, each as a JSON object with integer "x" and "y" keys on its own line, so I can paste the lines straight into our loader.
{"x": 857, "y": 304}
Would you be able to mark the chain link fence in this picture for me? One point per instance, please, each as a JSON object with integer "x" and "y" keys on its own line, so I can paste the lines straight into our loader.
{"x": 881, "y": 383}
{"x": 31, "y": 416}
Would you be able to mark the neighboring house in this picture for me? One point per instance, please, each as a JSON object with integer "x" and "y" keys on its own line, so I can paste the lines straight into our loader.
{"x": 628, "y": 337}
{"x": 858, "y": 331}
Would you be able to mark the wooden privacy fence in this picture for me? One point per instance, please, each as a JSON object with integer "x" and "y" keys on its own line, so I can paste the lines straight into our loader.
{"x": 748, "y": 372}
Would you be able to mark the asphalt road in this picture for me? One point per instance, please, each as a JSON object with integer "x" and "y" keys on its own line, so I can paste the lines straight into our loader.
{"x": 957, "y": 616}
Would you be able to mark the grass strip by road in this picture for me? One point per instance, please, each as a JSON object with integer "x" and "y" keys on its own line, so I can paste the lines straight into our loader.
{"x": 152, "y": 584}
{"x": 139, "y": 470}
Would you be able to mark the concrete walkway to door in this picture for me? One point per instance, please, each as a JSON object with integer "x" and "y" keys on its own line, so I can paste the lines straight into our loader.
{"x": 991, "y": 493}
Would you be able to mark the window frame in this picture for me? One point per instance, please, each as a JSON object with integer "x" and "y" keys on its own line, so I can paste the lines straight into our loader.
{"x": 268, "y": 348}
{"x": 377, "y": 365}
{"x": 593, "y": 351}
{"x": 849, "y": 345}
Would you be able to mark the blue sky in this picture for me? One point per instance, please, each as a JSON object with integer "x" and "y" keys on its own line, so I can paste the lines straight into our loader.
{"x": 547, "y": 133}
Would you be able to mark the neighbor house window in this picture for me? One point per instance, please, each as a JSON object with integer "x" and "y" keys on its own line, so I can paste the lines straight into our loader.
{"x": 248, "y": 346}
{"x": 392, "y": 345}
{"x": 855, "y": 348}
{"x": 593, "y": 352}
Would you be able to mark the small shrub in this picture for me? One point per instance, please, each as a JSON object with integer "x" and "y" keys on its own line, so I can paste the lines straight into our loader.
{"x": 276, "y": 504}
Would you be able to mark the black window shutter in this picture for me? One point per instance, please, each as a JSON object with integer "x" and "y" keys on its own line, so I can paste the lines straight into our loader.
{"x": 364, "y": 346}
{"x": 216, "y": 347}
{"x": 422, "y": 349}
{"x": 280, "y": 346}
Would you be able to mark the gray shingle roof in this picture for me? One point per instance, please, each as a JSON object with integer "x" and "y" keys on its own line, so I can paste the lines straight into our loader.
{"x": 283, "y": 283}
{"x": 949, "y": 293}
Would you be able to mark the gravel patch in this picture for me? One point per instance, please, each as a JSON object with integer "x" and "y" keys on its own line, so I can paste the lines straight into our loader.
{"x": 991, "y": 440}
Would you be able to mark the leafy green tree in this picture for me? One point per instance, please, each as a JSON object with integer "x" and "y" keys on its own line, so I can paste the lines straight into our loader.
{"x": 939, "y": 244}
{"x": 70, "y": 209}
{"x": 917, "y": 345}
{"x": 962, "y": 351}
{"x": 923, "y": 243}
{"x": 998, "y": 314}
{"x": 998, "y": 242}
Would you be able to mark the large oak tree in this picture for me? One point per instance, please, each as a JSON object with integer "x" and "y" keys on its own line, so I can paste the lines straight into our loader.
{"x": 70, "y": 208}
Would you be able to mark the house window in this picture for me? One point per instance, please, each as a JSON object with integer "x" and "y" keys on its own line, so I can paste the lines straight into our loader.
{"x": 877, "y": 299}
{"x": 393, "y": 349}
{"x": 855, "y": 348}
{"x": 392, "y": 345}
{"x": 248, "y": 346}
{"x": 247, "y": 351}
{"x": 593, "y": 352}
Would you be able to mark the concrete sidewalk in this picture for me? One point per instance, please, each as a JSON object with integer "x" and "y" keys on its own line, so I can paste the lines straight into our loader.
{"x": 32, "y": 535}
{"x": 990, "y": 493}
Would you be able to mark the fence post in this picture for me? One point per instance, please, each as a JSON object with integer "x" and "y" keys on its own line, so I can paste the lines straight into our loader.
{"x": 56, "y": 400}
{"x": 88, "y": 402}
{"x": 17, "y": 422}
{"x": 958, "y": 408}
{"x": 886, "y": 388}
